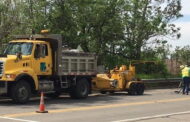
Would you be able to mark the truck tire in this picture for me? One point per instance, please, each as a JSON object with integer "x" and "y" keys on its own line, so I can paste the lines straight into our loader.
{"x": 140, "y": 89}
{"x": 20, "y": 92}
{"x": 80, "y": 90}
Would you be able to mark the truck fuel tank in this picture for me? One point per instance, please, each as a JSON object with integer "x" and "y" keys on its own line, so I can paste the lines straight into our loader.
{"x": 45, "y": 85}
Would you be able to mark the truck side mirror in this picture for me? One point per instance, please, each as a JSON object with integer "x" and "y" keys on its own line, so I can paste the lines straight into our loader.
{"x": 18, "y": 56}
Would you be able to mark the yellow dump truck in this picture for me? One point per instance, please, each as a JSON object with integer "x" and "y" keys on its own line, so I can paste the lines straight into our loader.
{"x": 40, "y": 63}
{"x": 121, "y": 79}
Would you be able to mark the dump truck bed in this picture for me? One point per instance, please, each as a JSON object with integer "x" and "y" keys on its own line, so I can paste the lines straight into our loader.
{"x": 78, "y": 63}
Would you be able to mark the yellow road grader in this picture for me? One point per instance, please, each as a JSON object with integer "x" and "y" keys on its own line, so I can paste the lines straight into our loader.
{"x": 119, "y": 79}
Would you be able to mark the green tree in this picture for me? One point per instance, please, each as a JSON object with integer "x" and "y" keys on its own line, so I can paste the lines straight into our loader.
{"x": 182, "y": 54}
{"x": 9, "y": 18}
{"x": 147, "y": 19}
{"x": 96, "y": 25}
{"x": 113, "y": 29}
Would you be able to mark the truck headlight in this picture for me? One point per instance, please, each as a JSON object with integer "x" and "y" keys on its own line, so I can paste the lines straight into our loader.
{"x": 10, "y": 76}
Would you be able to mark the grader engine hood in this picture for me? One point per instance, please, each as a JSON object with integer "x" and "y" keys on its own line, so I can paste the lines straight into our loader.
{"x": 102, "y": 81}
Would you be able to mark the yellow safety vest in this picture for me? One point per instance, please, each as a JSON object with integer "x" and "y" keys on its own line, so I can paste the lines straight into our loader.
{"x": 186, "y": 72}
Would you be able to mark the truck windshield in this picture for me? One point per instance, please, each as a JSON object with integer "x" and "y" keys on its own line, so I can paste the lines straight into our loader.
{"x": 18, "y": 47}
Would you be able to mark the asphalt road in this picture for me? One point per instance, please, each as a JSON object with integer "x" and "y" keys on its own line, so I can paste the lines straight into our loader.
{"x": 154, "y": 106}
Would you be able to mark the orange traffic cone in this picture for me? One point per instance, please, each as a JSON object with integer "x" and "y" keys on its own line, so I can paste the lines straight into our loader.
{"x": 42, "y": 106}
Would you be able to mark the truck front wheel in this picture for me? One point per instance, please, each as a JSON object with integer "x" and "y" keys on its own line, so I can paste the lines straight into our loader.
{"x": 80, "y": 90}
{"x": 20, "y": 92}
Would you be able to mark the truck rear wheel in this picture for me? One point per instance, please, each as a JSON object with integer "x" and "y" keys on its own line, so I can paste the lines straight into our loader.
{"x": 80, "y": 90}
{"x": 21, "y": 92}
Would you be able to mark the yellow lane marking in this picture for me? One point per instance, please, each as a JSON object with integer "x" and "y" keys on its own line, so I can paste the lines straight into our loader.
{"x": 99, "y": 107}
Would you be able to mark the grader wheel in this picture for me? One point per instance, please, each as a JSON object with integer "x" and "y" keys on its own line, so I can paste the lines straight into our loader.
{"x": 140, "y": 89}
{"x": 136, "y": 89}
{"x": 132, "y": 89}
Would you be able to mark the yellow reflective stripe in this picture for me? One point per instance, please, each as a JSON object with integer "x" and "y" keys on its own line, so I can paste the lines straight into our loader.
{"x": 185, "y": 72}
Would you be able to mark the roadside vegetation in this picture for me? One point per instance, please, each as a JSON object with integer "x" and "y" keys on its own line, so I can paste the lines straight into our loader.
{"x": 118, "y": 31}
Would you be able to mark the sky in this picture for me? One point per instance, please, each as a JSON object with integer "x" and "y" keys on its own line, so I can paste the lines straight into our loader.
{"x": 184, "y": 24}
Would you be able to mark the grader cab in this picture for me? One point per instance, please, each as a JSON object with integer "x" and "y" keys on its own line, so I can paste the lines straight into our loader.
{"x": 119, "y": 79}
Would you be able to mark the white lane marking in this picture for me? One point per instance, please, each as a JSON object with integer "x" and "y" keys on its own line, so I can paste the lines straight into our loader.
{"x": 152, "y": 117}
{"x": 21, "y": 120}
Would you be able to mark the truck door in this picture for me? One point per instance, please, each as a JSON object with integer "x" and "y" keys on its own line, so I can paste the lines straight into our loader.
{"x": 42, "y": 62}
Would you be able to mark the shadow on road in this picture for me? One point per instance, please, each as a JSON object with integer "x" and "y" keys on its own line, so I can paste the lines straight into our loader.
{"x": 126, "y": 94}
{"x": 65, "y": 100}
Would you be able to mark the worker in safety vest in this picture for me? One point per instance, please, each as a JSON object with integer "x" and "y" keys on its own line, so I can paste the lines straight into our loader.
{"x": 186, "y": 79}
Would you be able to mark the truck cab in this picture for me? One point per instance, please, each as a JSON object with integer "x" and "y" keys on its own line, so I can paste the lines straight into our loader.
{"x": 24, "y": 61}
{"x": 27, "y": 56}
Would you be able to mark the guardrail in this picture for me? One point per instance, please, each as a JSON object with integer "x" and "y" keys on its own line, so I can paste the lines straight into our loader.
{"x": 162, "y": 80}
{"x": 162, "y": 83}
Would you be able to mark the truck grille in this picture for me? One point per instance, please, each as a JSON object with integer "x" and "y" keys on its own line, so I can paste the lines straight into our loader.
{"x": 1, "y": 68}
